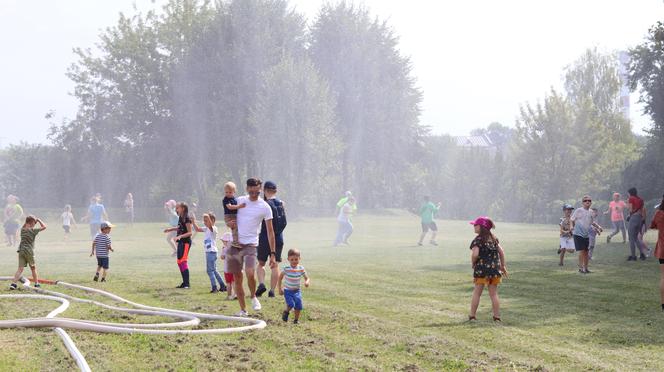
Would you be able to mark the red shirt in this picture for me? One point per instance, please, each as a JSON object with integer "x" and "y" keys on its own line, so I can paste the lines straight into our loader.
{"x": 636, "y": 202}
{"x": 658, "y": 223}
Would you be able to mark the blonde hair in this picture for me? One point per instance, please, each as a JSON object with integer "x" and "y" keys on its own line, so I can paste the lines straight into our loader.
{"x": 230, "y": 185}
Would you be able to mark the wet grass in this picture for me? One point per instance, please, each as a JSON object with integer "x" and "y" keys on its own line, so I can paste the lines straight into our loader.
{"x": 381, "y": 304}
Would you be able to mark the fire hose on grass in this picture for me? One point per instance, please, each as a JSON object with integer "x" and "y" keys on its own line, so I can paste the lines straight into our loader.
{"x": 187, "y": 318}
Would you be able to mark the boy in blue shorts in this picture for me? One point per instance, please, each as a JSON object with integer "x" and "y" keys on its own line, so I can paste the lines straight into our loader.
{"x": 291, "y": 289}
{"x": 100, "y": 247}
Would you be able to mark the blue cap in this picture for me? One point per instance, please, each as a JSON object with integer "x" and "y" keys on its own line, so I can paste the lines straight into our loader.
{"x": 270, "y": 185}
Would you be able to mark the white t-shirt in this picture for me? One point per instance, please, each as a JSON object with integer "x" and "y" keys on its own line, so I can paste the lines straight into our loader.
{"x": 209, "y": 241}
{"x": 249, "y": 219}
{"x": 583, "y": 219}
{"x": 66, "y": 218}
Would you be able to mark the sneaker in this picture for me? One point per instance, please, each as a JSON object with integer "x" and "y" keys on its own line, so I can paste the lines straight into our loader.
{"x": 420, "y": 244}
{"x": 231, "y": 298}
{"x": 284, "y": 316}
{"x": 96, "y": 278}
{"x": 631, "y": 258}
{"x": 433, "y": 242}
{"x": 270, "y": 293}
{"x": 260, "y": 290}
{"x": 608, "y": 239}
{"x": 642, "y": 258}
{"x": 37, "y": 285}
{"x": 560, "y": 264}
{"x": 103, "y": 280}
{"x": 296, "y": 321}
{"x": 586, "y": 271}
{"x": 214, "y": 290}
{"x": 180, "y": 286}
{"x": 581, "y": 271}
{"x": 242, "y": 314}
{"x": 13, "y": 286}
{"x": 223, "y": 288}
{"x": 255, "y": 304}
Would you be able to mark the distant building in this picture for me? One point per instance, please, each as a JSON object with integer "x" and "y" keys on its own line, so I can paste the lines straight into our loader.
{"x": 482, "y": 141}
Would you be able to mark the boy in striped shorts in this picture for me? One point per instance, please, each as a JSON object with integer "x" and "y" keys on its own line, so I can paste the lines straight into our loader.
{"x": 100, "y": 247}
{"x": 291, "y": 290}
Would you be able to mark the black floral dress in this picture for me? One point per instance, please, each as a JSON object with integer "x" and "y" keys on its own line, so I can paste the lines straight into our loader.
{"x": 488, "y": 261}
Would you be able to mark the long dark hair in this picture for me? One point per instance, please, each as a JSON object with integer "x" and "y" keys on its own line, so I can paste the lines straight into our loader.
{"x": 185, "y": 210}
{"x": 486, "y": 234}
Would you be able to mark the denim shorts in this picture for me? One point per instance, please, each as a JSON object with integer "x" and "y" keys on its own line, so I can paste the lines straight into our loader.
{"x": 293, "y": 299}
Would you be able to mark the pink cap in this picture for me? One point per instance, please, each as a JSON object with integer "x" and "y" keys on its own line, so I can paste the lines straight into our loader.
{"x": 484, "y": 222}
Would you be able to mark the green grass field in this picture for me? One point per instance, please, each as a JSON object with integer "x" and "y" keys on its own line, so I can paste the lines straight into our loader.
{"x": 382, "y": 303}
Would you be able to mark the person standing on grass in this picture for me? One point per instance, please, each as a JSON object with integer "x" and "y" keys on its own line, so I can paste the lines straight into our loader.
{"x": 183, "y": 240}
{"x": 173, "y": 219}
{"x": 67, "y": 221}
{"x": 636, "y": 218}
{"x": 427, "y": 212}
{"x": 488, "y": 262}
{"x": 249, "y": 220}
{"x": 658, "y": 223}
{"x": 582, "y": 222}
{"x": 278, "y": 225}
{"x": 345, "y": 229}
{"x": 343, "y": 201}
{"x": 12, "y": 220}
{"x": 616, "y": 209}
{"x": 211, "y": 251}
{"x": 96, "y": 215}
{"x": 129, "y": 208}
{"x": 26, "y": 253}
{"x": 566, "y": 238}
{"x": 100, "y": 248}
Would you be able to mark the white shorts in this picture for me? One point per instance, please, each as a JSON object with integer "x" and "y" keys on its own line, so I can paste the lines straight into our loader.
{"x": 567, "y": 243}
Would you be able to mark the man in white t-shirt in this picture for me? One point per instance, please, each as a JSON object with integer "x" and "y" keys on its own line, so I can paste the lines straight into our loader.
{"x": 249, "y": 221}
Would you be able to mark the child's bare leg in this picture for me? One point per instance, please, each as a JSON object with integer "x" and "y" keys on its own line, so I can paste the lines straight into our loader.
{"x": 475, "y": 302}
{"x": 661, "y": 284}
{"x": 98, "y": 269}
{"x": 422, "y": 237}
{"x": 581, "y": 260}
{"x": 103, "y": 274}
{"x": 17, "y": 276}
{"x": 297, "y": 314}
{"x": 229, "y": 289}
{"x": 495, "y": 302}
{"x": 562, "y": 256}
{"x": 585, "y": 260}
{"x": 33, "y": 268}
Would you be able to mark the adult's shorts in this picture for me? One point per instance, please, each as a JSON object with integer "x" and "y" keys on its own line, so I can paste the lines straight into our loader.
{"x": 237, "y": 257}
{"x": 263, "y": 252}
{"x": 429, "y": 226}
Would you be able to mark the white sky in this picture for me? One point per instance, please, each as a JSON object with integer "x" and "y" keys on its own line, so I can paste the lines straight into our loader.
{"x": 476, "y": 61}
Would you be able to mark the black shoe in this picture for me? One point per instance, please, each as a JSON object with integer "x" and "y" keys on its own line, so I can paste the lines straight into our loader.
{"x": 631, "y": 258}
{"x": 13, "y": 286}
{"x": 296, "y": 321}
{"x": 588, "y": 271}
{"x": 214, "y": 290}
{"x": 581, "y": 271}
{"x": 180, "y": 286}
{"x": 223, "y": 288}
{"x": 270, "y": 293}
{"x": 103, "y": 280}
{"x": 284, "y": 316}
{"x": 643, "y": 258}
{"x": 37, "y": 285}
{"x": 608, "y": 239}
{"x": 96, "y": 278}
{"x": 260, "y": 290}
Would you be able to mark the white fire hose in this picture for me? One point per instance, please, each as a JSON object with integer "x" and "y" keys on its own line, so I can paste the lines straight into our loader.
{"x": 188, "y": 319}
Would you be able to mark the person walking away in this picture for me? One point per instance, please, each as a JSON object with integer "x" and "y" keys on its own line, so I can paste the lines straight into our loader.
{"x": 617, "y": 211}
{"x": 345, "y": 229}
{"x": 100, "y": 248}
{"x": 279, "y": 223}
{"x": 566, "y": 238}
{"x": 96, "y": 215}
{"x": 658, "y": 223}
{"x": 211, "y": 251}
{"x": 489, "y": 266}
{"x": 26, "y": 253}
{"x": 427, "y": 212}
{"x": 636, "y": 218}
{"x": 129, "y": 208}
{"x": 582, "y": 220}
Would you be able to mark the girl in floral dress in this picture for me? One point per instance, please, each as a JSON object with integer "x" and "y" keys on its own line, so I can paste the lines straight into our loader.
{"x": 488, "y": 261}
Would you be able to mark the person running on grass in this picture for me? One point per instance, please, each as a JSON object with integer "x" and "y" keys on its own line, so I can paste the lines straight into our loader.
{"x": 26, "y": 255}
{"x": 566, "y": 239}
{"x": 582, "y": 223}
{"x": 617, "y": 211}
{"x": 489, "y": 266}
{"x": 249, "y": 220}
{"x": 293, "y": 273}
{"x": 636, "y": 218}
{"x": 183, "y": 240}
{"x": 345, "y": 224}
{"x": 263, "y": 253}
{"x": 100, "y": 248}
{"x": 658, "y": 223}
{"x": 427, "y": 212}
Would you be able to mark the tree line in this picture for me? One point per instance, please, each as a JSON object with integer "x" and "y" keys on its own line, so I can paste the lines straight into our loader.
{"x": 172, "y": 104}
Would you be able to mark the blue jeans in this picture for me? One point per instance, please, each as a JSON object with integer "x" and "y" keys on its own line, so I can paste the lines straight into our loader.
{"x": 344, "y": 232}
{"x": 633, "y": 230}
{"x": 211, "y": 264}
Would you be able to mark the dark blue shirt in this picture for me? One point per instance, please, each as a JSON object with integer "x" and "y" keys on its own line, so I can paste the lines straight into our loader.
{"x": 262, "y": 237}
{"x": 231, "y": 201}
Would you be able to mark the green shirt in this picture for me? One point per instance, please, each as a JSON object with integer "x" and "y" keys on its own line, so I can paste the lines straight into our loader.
{"x": 28, "y": 240}
{"x": 343, "y": 201}
{"x": 427, "y": 211}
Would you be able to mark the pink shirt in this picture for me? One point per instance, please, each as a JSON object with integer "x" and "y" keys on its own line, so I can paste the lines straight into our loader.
{"x": 617, "y": 210}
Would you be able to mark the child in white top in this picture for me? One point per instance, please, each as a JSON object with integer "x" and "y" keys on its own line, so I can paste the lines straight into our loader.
{"x": 67, "y": 220}
{"x": 211, "y": 252}
{"x": 227, "y": 240}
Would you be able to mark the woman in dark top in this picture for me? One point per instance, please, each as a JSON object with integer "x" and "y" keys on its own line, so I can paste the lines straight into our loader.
{"x": 488, "y": 261}
{"x": 183, "y": 240}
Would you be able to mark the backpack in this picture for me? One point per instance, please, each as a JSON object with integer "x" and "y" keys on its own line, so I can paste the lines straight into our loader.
{"x": 279, "y": 218}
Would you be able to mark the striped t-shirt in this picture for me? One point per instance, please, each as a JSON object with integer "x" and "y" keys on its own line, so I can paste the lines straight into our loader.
{"x": 102, "y": 242}
{"x": 292, "y": 277}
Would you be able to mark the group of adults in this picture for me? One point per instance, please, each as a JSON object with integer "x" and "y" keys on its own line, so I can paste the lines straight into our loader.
{"x": 634, "y": 224}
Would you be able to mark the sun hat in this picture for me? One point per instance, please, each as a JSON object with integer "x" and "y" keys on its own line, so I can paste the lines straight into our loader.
{"x": 484, "y": 222}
